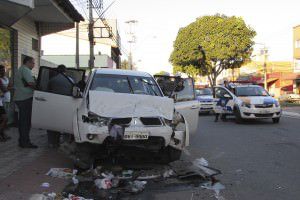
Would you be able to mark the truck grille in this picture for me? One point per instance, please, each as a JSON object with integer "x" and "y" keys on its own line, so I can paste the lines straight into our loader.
{"x": 151, "y": 121}
{"x": 264, "y": 115}
{"x": 264, "y": 106}
{"x": 121, "y": 121}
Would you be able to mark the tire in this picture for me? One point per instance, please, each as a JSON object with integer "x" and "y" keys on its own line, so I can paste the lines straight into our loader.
{"x": 238, "y": 117}
{"x": 276, "y": 120}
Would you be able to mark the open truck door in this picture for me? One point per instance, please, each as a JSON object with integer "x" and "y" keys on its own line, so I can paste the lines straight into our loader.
{"x": 185, "y": 98}
{"x": 53, "y": 110}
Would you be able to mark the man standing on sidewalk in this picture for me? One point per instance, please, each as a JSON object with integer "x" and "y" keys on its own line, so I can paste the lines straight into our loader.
{"x": 24, "y": 86}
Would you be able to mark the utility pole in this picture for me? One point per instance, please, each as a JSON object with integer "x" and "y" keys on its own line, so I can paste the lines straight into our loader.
{"x": 77, "y": 45}
{"x": 131, "y": 41}
{"x": 91, "y": 36}
{"x": 264, "y": 52}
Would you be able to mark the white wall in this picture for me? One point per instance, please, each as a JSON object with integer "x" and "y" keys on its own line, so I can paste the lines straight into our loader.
{"x": 26, "y": 31}
{"x": 56, "y": 44}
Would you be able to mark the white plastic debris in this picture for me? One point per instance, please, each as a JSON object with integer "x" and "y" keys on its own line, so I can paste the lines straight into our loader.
{"x": 45, "y": 185}
{"x": 61, "y": 173}
{"x": 75, "y": 180}
{"x": 138, "y": 186}
{"x": 148, "y": 177}
{"x": 74, "y": 197}
{"x": 217, "y": 187}
{"x": 201, "y": 161}
{"x": 104, "y": 183}
{"x": 168, "y": 173}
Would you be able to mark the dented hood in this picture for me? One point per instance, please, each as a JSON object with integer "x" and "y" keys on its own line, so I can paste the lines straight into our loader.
{"x": 118, "y": 105}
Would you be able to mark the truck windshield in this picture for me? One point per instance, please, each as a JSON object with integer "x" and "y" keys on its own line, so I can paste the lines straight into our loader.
{"x": 125, "y": 84}
{"x": 203, "y": 92}
{"x": 251, "y": 91}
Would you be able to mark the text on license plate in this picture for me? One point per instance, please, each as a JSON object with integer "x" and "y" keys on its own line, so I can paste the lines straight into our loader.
{"x": 136, "y": 136}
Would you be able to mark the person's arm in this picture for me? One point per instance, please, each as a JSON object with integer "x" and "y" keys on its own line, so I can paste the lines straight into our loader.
{"x": 28, "y": 79}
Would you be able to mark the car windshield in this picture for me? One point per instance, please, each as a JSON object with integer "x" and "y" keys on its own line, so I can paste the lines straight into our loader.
{"x": 203, "y": 92}
{"x": 251, "y": 91}
{"x": 125, "y": 84}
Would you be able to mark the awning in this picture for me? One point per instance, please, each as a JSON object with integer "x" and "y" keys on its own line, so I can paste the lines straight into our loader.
{"x": 12, "y": 10}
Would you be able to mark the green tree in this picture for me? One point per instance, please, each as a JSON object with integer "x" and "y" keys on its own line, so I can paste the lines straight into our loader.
{"x": 162, "y": 73}
{"x": 124, "y": 64}
{"x": 212, "y": 44}
{"x": 5, "y": 46}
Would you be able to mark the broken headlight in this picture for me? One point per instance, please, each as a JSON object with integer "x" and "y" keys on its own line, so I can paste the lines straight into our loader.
{"x": 96, "y": 119}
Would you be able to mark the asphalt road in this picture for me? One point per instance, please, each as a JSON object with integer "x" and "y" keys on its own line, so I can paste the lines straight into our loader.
{"x": 259, "y": 160}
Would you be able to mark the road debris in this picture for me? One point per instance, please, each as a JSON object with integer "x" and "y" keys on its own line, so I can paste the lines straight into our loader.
{"x": 62, "y": 173}
{"x": 45, "y": 185}
{"x": 116, "y": 181}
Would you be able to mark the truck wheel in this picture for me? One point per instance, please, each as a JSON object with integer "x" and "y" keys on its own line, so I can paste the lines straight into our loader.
{"x": 238, "y": 117}
{"x": 276, "y": 120}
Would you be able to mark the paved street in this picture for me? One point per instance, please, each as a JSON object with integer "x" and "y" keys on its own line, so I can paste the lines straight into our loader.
{"x": 259, "y": 160}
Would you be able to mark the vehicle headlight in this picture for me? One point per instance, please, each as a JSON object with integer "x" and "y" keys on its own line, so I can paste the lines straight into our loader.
{"x": 96, "y": 119}
{"x": 248, "y": 105}
{"x": 277, "y": 104}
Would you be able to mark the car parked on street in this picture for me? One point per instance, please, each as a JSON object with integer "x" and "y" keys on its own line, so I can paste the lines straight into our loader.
{"x": 206, "y": 100}
{"x": 292, "y": 98}
{"x": 248, "y": 102}
{"x": 118, "y": 108}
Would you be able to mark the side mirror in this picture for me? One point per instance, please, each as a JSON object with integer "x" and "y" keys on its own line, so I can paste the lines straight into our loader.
{"x": 227, "y": 96}
{"x": 76, "y": 93}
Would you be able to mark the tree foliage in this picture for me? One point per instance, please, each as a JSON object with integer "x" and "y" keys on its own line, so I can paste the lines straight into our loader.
{"x": 211, "y": 44}
{"x": 124, "y": 64}
{"x": 5, "y": 46}
{"x": 161, "y": 73}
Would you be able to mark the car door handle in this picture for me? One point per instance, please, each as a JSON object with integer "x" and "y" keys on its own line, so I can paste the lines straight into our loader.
{"x": 194, "y": 107}
{"x": 40, "y": 99}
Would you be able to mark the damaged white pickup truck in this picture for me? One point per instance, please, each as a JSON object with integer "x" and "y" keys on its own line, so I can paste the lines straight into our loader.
{"x": 118, "y": 108}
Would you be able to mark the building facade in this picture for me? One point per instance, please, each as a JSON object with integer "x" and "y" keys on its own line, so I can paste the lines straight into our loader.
{"x": 27, "y": 21}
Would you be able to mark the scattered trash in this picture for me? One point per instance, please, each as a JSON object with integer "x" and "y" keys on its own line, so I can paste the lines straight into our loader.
{"x": 50, "y": 196}
{"x": 62, "y": 173}
{"x": 168, "y": 173}
{"x": 201, "y": 161}
{"x": 74, "y": 197}
{"x": 148, "y": 177}
{"x": 104, "y": 183}
{"x": 75, "y": 180}
{"x": 45, "y": 185}
{"x": 127, "y": 173}
{"x": 216, "y": 187}
{"x": 138, "y": 186}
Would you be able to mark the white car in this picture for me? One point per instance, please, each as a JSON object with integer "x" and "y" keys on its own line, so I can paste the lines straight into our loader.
{"x": 118, "y": 107}
{"x": 247, "y": 102}
{"x": 290, "y": 97}
{"x": 206, "y": 100}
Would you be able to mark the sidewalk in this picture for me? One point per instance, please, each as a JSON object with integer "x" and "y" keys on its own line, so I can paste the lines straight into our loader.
{"x": 22, "y": 171}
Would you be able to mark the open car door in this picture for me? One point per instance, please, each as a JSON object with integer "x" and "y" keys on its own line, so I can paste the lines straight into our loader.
{"x": 53, "y": 110}
{"x": 223, "y": 101}
{"x": 185, "y": 99}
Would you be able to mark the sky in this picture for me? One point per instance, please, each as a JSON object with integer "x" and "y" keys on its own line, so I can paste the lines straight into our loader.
{"x": 160, "y": 20}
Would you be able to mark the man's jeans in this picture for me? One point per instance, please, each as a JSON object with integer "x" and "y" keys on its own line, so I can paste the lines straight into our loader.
{"x": 25, "y": 110}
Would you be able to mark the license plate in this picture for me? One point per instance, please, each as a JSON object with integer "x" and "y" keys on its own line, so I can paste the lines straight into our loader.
{"x": 136, "y": 136}
{"x": 265, "y": 112}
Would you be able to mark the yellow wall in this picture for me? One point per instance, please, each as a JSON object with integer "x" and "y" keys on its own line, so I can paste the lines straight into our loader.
{"x": 296, "y": 37}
